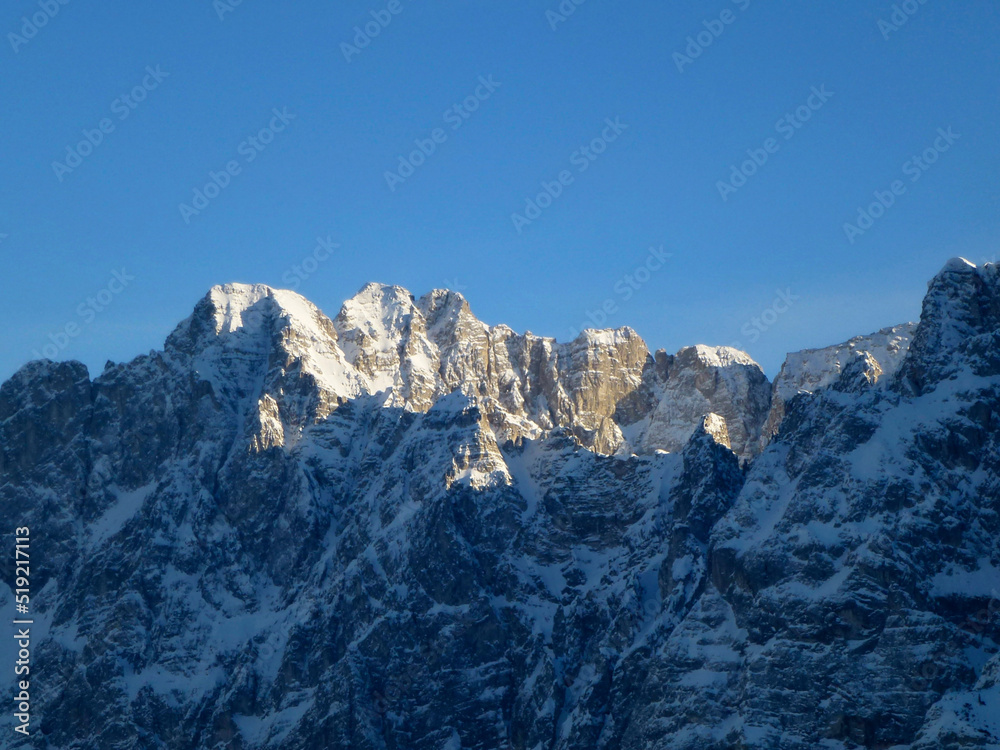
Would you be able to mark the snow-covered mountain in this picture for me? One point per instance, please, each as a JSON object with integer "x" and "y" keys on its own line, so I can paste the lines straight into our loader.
{"x": 605, "y": 387}
{"x": 812, "y": 369}
{"x": 403, "y": 528}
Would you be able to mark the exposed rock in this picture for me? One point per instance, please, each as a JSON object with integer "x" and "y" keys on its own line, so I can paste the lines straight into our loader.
{"x": 405, "y": 529}
{"x": 809, "y": 370}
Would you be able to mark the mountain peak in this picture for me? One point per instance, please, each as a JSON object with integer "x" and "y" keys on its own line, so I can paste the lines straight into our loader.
{"x": 381, "y": 295}
{"x": 446, "y": 297}
{"x": 962, "y": 306}
{"x": 607, "y": 336}
{"x": 241, "y": 305}
{"x": 720, "y": 356}
{"x": 958, "y": 265}
{"x": 375, "y": 317}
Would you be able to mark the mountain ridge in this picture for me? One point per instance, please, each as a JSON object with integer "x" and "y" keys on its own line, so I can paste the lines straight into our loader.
{"x": 358, "y": 352}
{"x": 389, "y": 530}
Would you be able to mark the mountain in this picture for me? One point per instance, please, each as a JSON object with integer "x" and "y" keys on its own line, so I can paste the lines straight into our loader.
{"x": 403, "y": 528}
{"x": 605, "y": 387}
{"x": 811, "y": 369}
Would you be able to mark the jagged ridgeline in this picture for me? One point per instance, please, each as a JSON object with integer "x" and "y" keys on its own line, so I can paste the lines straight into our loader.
{"x": 403, "y": 528}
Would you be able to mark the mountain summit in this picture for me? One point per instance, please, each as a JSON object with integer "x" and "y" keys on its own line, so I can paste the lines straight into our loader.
{"x": 605, "y": 387}
{"x": 403, "y": 528}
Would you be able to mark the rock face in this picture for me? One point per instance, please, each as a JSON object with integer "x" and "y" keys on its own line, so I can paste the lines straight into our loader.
{"x": 812, "y": 369}
{"x": 604, "y": 387}
{"x": 402, "y": 528}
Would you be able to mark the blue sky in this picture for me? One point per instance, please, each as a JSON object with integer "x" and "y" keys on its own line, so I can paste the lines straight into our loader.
{"x": 768, "y": 265}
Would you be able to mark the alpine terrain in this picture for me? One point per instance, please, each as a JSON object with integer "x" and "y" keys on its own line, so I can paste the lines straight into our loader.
{"x": 402, "y": 529}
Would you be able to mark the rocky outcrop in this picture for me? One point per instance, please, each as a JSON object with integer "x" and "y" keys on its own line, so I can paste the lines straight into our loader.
{"x": 958, "y": 327}
{"x": 699, "y": 380}
{"x": 809, "y": 370}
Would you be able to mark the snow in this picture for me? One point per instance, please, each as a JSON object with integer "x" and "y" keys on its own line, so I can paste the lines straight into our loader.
{"x": 984, "y": 581}
{"x": 125, "y": 508}
{"x": 606, "y": 336}
{"x": 960, "y": 265}
{"x": 722, "y": 356}
{"x": 382, "y": 341}
{"x": 374, "y": 483}
{"x": 274, "y": 727}
{"x": 379, "y": 311}
{"x": 811, "y": 369}
{"x": 453, "y": 743}
{"x": 233, "y": 301}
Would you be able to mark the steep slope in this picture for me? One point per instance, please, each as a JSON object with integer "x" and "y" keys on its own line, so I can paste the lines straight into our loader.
{"x": 864, "y": 543}
{"x": 402, "y": 528}
{"x": 811, "y": 369}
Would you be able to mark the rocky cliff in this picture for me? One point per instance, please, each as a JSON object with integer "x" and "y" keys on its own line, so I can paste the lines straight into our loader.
{"x": 403, "y": 528}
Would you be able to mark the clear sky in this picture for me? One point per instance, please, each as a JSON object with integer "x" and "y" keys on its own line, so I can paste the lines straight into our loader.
{"x": 865, "y": 96}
